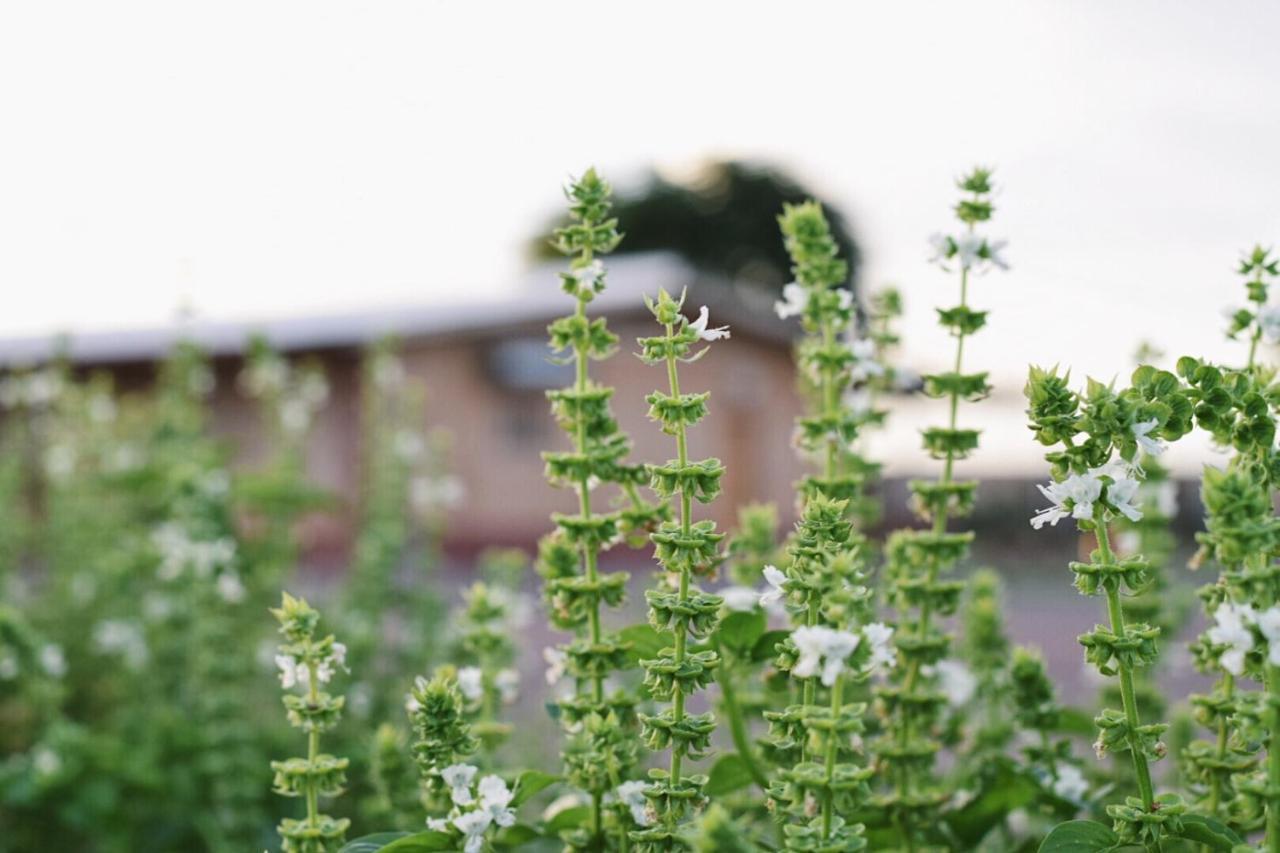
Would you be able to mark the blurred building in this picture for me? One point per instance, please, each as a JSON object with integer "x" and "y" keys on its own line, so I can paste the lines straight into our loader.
{"x": 485, "y": 368}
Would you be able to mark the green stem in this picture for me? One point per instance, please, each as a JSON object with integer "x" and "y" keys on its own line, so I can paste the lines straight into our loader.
{"x": 1127, "y": 697}
{"x": 313, "y": 744}
{"x": 832, "y": 746}
{"x": 1215, "y": 784}
{"x": 1273, "y": 759}
{"x": 589, "y": 555}
{"x": 682, "y": 454}
{"x": 737, "y": 722}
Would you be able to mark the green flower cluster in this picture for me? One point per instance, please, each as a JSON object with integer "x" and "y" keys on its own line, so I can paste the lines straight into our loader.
{"x": 306, "y": 662}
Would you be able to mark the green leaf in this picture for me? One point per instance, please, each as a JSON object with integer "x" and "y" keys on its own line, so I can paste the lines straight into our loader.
{"x": 423, "y": 842}
{"x": 570, "y": 818}
{"x": 515, "y": 836}
{"x": 728, "y": 774}
{"x": 764, "y": 649}
{"x": 1209, "y": 832}
{"x": 741, "y": 630}
{"x": 1079, "y": 836}
{"x": 372, "y": 843}
{"x": 530, "y": 783}
{"x": 1002, "y": 788}
{"x": 1073, "y": 721}
{"x": 646, "y": 641}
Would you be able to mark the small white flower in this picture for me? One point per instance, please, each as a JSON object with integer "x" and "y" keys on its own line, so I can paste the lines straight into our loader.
{"x": 471, "y": 682}
{"x": 292, "y": 672}
{"x": 942, "y": 248}
{"x": 53, "y": 661}
{"x": 864, "y": 360}
{"x": 1269, "y": 322}
{"x": 631, "y": 794}
{"x": 458, "y": 779}
{"x": 1123, "y": 490}
{"x": 556, "y": 660}
{"x": 1231, "y": 629}
{"x": 883, "y": 654}
{"x": 230, "y": 588}
{"x": 822, "y": 649}
{"x": 700, "y": 326}
{"x": 956, "y": 681}
{"x": 508, "y": 683}
{"x": 858, "y": 401}
{"x": 1069, "y": 783}
{"x": 795, "y": 298}
{"x": 473, "y": 826}
{"x": 408, "y": 445}
{"x": 495, "y": 800}
{"x": 1269, "y": 624}
{"x": 1072, "y": 498}
{"x": 437, "y": 824}
{"x": 45, "y": 761}
{"x": 590, "y": 275}
{"x": 740, "y": 599}
{"x": 775, "y": 578}
{"x": 1149, "y": 445}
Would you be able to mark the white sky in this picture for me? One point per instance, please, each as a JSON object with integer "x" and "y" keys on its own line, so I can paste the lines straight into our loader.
{"x": 267, "y": 158}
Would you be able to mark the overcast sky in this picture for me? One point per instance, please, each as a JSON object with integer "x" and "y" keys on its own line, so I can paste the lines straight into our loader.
{"x": 260, "y": 159}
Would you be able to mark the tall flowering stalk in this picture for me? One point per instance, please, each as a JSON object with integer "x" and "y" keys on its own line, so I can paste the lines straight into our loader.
{"x": 685, "y": 549}
{"x": 815, "y": 742}
{"x": 918, "y": 559}
{"x": 1095, "y": 482}
{"x": 601, "y": 753}
{"x": 306, "y": 662}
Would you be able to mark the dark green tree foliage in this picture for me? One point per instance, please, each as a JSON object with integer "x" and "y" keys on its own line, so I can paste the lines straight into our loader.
{"x": 722, "y": 220}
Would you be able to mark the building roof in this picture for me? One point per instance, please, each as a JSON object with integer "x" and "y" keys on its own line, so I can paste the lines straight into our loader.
{"x": 536, "y": 298}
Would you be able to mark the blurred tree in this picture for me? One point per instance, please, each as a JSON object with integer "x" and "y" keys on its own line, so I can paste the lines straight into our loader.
{"x": 722, "y": 219}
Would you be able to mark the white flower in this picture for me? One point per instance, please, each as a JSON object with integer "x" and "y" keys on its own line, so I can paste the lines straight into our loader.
{"x": 53, "y": 661}
{"x": 858, "y": 401}
{"x": 631, "y": 794}
{"x": 1123, "y": 489}
{"x": 590, "y": 275}
{"x": 1149, "y": 445}
{"x": 956, "y": 681}
{"x": 1232, "y": 630}
{"x": 775, "y": 578}
{"x": 230, "y": 588}
{"x": 864, "y": 360}
{"x": 556, "y": 660}
{"x": 45, "y": 761}
{"x": 975, "y": 252}
{"x": 741, "y": 599}
{"x": 700, "y": 326}
{"x": 123, "y": 638}
{"x": 471, "y": 682}
{"x": 822, "y": 648}
{"x": 942, "y": 248}
{"x": 292, "y": 671}
{"x": 495, "y": 800}
{"x": 408, "y": 445}
{"x": 1269, "y": 624}
{"x": 508, "y": 683}
{"x": 1269, "y": 322}
{"x": 795, "y": 298}
{"x": 883, "y": 654}
{"x": 473, "y": 826}
{"x": 1069, "y": 783}
{"x": 458, "y": 778}
{"x": 1073, "y": 497}
{"x": 437, "y": 824}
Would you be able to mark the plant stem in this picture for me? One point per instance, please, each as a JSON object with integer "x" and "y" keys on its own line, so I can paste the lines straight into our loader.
{"x": 1215, "y": 784}
{"x": 589, "y": 556}
{"x": 682, "y": 454}
{"x": 1127, "y": 697}
{"x": 313, "y": 744}
{"x": 1273, "y": 759}
{"x": 737, "y": 723}
{"x": 832, "y": 746}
